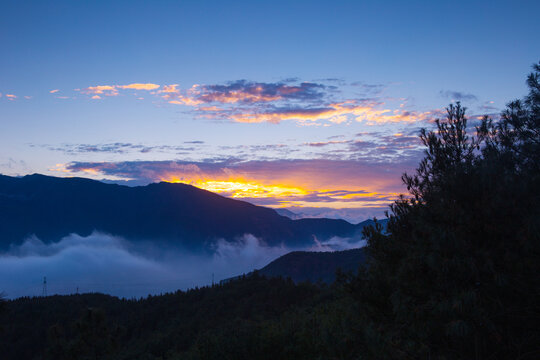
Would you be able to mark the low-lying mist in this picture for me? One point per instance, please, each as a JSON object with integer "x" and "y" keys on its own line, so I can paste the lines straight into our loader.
{"x": 112, "y": 265}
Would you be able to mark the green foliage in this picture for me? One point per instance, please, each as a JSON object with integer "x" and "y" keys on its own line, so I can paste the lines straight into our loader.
{"x": 456, "y": 274}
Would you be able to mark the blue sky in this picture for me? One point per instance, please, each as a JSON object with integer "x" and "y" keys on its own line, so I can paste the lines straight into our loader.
{"x": 311, "y": 105}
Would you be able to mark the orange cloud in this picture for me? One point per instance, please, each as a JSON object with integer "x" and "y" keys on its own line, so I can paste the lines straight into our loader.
{"x": 54, "y": 91}
{"x": 183, "y": 100}
{"x": 173, "y": 88}
{"x": 336, "y": 112}
{"x": 108, "y": 90}
{"x": 113, "y": 90}
{"x": 172, "y": 94}
{"x": 306, "y": 183}
{"x": 138, "y": 86}
{"x": 256, "y": 102}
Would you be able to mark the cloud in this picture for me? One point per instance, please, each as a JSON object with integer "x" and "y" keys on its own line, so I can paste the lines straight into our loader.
{"x": 368, "y": 89}
{"x": 12, "y": 166}
{"x": 458, "y": 95}
{"x": 96, "y": 91}
{"x": 488, "y": 106}
{"x": 170, "y": 89}
{"x": 338, "y": 244}
{"x": 11, "y": 97}
{"x": 113, "y": 90}
{"x": 326, "y": 143}
{"x": 119, "y": 148}
{"x": 54, "y": 91}
{"x": 108, "y": 264}
{"x": 388, "y": 147}
{"x": 307, "y": 103}
{"x": 138, "y": 86}
{"x": 275, "y": 183}
{"x": 242, "y": 92}
{"x": 103, "y": 263}
{"x": 252, "y": 92}
{"x": 366, "y": 111}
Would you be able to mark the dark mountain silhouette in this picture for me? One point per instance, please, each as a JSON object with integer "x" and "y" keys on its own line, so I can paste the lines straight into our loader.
{"x": 314, "y": 266}
{"x": 178, "y": 214}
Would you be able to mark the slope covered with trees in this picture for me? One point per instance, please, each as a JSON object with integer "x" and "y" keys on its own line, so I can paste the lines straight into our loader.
{"x": 314, "y": 267}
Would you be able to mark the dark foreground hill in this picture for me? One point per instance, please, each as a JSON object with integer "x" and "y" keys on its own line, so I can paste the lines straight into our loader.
{"x": 309, "y": 266}
{"x": 249, "y": 318}
{"x": 178, "y": 214}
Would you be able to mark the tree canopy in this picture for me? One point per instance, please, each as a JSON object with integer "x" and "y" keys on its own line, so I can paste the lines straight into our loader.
{"x": 456, "y": 274}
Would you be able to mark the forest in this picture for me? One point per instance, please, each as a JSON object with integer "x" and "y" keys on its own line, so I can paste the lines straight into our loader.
{"x": 455, "y": 275}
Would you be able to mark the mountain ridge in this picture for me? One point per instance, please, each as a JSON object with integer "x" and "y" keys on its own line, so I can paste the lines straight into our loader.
{"x": 181, "y": 214}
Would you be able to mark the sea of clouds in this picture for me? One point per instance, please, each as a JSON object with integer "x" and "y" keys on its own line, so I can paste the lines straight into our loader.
{"x": 112, "y": 265}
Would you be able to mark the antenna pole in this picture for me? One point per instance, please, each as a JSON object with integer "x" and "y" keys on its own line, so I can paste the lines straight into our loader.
{"x": 44, "y": 293}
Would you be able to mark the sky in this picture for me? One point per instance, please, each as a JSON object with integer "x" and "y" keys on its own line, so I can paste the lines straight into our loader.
{"x": 313, "y": 106}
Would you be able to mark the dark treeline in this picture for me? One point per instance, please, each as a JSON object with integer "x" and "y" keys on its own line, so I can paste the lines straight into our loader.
{"x": 454, "y": 276}
{"x": 249, "y": 318}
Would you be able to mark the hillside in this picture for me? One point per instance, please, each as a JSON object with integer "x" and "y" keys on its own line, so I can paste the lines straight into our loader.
{"x": 210, "y": 322}
{"x": 303, "y": 266}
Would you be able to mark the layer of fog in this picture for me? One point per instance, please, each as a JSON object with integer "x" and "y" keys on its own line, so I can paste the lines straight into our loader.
{"x": 111, "y": 265}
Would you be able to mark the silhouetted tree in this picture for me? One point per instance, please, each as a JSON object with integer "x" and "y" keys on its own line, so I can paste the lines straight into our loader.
{"x": 456, "y": 274}
{"x": 2, "y": 306}
{"x": 2, "y": 301}
{"x": 92, "y": 338}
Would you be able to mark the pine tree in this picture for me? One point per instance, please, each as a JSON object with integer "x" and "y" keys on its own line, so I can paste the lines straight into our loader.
{"x": 456, "y": 274}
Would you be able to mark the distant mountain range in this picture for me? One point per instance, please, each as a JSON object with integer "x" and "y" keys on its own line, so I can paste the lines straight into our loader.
{"x": 178, "y": 214}
{"x": 288, "y": 213}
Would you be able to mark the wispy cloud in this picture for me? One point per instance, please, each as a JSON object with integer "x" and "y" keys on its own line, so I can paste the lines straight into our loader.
{"x": 54, "y": 91}
{"x": 326, "y": 143}
{"x": 119, "y": 148}
{"x": 139, "y": 86}
{"x": 458, "y": 95}
{"x": 113, "y": 90}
